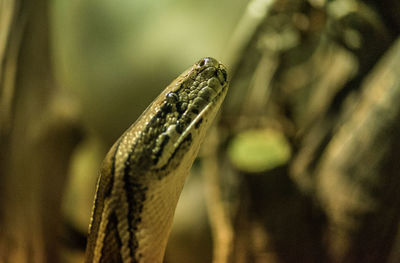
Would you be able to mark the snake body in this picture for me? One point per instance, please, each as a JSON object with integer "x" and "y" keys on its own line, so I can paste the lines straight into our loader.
{"x": 142, "y": 175}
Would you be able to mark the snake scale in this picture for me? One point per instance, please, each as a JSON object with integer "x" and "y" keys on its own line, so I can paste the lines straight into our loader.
{"x": 142, "y": 175}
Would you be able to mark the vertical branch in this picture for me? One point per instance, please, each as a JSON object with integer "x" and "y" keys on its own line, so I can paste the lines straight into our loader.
{"x": 357, "y": 178}
{"x": 221, "y": 225}
{"x": 38, "y": 132}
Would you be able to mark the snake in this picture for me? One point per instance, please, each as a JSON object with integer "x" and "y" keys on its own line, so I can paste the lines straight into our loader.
{"x": 142, "y": 175}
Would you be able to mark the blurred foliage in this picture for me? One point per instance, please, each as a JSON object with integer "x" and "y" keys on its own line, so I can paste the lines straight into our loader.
{"x": 259, "y": 150}
{"x": 302, "y": 165}
{"x": 132, "y": 50}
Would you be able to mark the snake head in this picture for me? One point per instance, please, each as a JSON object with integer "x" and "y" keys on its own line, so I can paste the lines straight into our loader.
{"x": 188, "y": 103}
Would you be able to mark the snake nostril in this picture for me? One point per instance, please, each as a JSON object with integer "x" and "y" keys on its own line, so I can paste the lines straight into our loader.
{"x": 179, "y": 127}
{"x": 202, "y": 62}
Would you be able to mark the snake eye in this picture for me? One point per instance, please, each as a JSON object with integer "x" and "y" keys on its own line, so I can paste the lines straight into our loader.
{"x": 172, "y": 97}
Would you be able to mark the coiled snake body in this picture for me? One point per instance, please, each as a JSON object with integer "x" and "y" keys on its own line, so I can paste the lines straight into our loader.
{"x": 143, "y": 174}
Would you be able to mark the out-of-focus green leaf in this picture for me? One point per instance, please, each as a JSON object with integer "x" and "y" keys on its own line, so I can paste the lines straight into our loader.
{"x": 259, "y": 150}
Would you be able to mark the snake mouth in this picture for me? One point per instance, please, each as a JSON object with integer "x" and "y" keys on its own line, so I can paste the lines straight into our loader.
{"x": 198, "y": 119}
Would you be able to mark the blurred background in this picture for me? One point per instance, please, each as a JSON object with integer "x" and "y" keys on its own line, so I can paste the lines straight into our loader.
{"x": 302, "y": 164}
